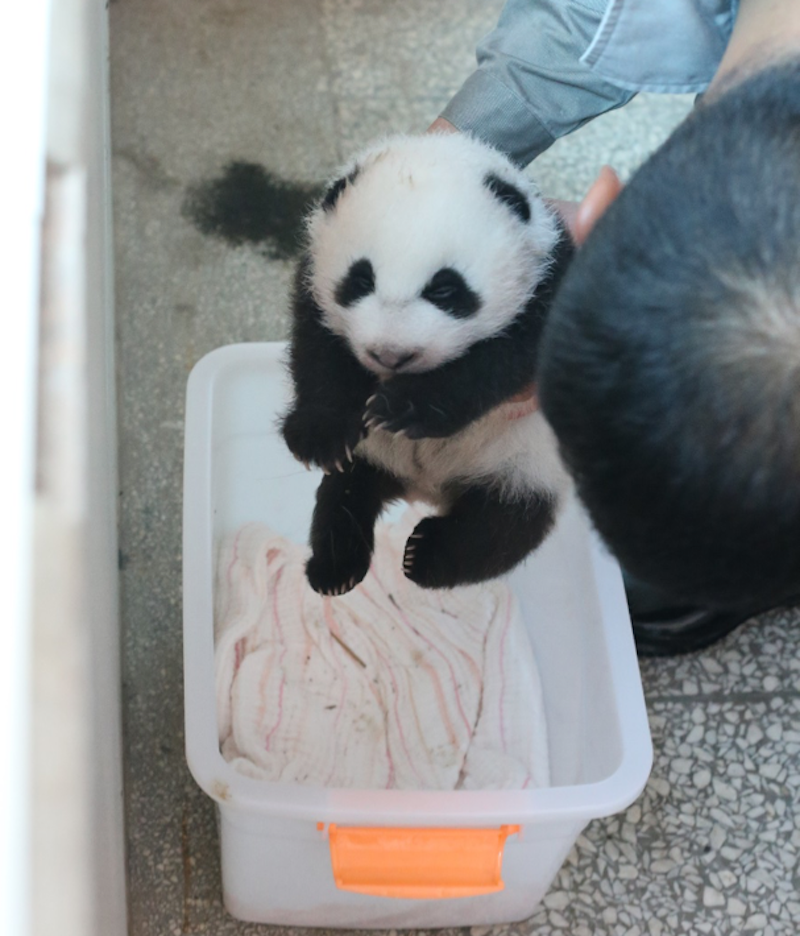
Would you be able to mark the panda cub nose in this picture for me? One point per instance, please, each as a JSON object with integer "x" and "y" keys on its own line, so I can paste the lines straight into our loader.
{"x": 392, "y": 358}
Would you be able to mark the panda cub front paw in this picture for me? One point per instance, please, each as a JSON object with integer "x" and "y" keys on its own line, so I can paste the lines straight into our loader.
{"x": 322, "y": 437}
{"x": 329, "y": 575}
{"x": 398, "y": 407}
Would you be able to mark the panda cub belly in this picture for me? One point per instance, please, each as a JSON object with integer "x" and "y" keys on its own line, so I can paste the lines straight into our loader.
{"x": 515, "y": 455}
{"x": 429, "y": 269}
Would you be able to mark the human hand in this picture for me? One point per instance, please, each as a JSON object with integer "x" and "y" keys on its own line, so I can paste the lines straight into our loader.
{"x": 567, "y": 212}
{"x": 580, "y": 217}
{"x": 440, "y": 125}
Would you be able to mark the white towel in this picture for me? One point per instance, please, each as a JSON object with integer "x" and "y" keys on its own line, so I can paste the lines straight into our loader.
{"x": 388, "y": 687}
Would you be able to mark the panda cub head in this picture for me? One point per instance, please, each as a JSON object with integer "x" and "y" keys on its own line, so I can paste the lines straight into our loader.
{"x": 423, "y": 246}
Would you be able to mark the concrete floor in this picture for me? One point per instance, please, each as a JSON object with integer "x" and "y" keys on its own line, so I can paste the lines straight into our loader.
{"x": 712, "y": 846}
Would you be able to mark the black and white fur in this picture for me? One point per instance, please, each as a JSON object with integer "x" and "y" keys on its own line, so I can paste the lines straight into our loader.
{"x": 430, "y": 266}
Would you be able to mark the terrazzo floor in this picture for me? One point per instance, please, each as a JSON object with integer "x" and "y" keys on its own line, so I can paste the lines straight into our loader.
{"x": 713, "y": 844}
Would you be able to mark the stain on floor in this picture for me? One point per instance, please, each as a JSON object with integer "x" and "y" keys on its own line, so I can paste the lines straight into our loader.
{"x": 249, "y": 204}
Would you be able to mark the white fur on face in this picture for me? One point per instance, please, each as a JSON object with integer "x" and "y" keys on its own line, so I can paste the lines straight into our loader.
{"x": 417, "y": 205}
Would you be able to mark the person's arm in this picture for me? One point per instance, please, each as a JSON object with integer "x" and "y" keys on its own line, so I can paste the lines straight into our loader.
{"x": 530, "y": 87}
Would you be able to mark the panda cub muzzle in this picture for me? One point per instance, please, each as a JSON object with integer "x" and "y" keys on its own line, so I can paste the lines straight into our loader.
{"x": 418, "y": 305}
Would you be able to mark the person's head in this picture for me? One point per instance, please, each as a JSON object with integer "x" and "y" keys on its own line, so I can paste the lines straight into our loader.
{"x": 670, "y": 366}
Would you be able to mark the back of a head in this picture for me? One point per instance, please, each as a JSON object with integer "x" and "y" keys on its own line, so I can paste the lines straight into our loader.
{"x": 670, "y": 367}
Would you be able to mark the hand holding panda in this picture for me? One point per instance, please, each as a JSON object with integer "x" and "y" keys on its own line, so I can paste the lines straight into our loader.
{"x": 417, "y": 310}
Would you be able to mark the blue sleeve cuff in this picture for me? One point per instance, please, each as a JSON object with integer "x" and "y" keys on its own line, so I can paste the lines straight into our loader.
{"x": 487, "y": 109}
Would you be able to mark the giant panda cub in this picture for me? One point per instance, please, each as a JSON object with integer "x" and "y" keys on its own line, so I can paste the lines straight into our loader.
{"x": 418, "y": 305}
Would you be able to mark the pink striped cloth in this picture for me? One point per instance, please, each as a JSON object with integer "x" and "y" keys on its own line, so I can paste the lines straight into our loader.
{"x": 388, "y": 687}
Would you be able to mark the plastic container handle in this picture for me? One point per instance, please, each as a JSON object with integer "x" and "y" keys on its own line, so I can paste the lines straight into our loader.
{"x": 421, "y": 863}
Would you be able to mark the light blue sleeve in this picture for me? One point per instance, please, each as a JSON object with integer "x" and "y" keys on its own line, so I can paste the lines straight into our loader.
{"x": 530, "y": 87}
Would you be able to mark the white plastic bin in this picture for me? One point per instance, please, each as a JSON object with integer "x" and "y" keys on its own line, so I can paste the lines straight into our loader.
{"x": 277, "y": 849}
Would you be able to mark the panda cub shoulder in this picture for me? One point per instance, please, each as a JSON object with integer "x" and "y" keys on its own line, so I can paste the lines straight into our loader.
{"x": 430, "y": 265}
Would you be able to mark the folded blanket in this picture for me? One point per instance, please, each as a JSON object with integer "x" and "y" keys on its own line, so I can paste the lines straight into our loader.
{"x": 389, "y": 686}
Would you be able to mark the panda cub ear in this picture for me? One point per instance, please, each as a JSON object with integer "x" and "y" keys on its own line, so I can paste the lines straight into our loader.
{"x": 509, "y": 195}
{"x": 331, "y": 197}
{"x": 358, "y": 282}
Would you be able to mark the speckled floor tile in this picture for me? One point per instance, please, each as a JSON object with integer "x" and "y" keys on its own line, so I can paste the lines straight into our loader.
{"x": 363, "y": 120}
{"x": 760, "y": 656}
{"x": 395, "y": 51}
{"x": 712, "y": 845}
{"x": 207, "y": 79}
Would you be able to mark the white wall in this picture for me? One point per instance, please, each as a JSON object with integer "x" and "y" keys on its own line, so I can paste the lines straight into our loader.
{"x": 22, "y": 99}
{"x": 62, "y": 865}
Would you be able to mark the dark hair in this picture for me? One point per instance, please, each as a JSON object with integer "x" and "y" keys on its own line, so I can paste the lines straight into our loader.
{"x": 670, "y": 364}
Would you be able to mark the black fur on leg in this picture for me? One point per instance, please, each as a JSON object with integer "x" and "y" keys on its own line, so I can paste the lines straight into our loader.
{"x": 342, "y": 529}
{"x": 482, "y": 536}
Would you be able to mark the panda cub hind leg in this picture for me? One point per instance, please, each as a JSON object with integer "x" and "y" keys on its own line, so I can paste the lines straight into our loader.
{"x": 482, "y": 536}
{"x": 342, "y": 528}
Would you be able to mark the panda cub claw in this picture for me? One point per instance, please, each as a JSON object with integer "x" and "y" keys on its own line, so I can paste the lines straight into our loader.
{"x": 322, "y": 437}
{"x": 334, "y": 578}
{"x": 394, "y": 410}
{"x": 382, "y": 412}
{"x": 426, "y": 556}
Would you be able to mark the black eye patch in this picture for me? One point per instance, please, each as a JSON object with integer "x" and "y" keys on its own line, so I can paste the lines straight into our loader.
{"x": 509, "y": 195}
{"x": 359, "y": 281}
{"x": 448, "y": 290}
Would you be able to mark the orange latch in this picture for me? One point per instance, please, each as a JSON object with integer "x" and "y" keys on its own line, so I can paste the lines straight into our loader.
{"x": 421, "y": 863}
